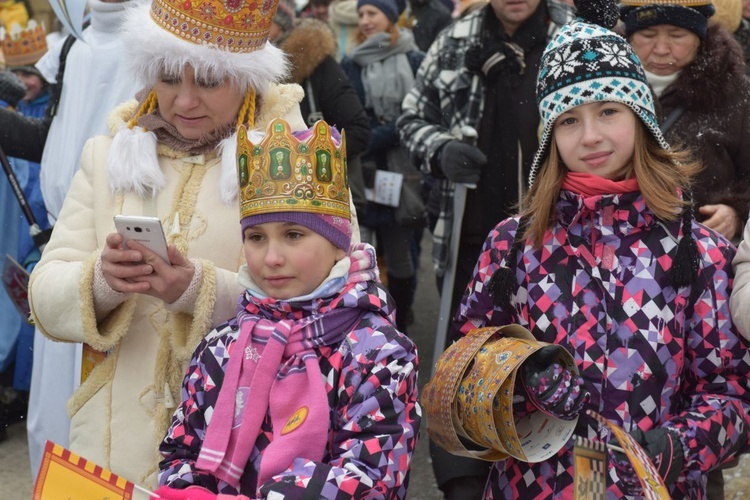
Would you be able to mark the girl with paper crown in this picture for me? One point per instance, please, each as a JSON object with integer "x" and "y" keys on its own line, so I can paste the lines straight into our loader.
{"x": 207, "y": 68}
{"x": 310, "y": 391}
{"x": 606, "y": 260}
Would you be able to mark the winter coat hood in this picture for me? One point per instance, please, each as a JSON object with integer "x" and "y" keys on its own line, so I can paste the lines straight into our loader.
{"x": 307, "y": 45}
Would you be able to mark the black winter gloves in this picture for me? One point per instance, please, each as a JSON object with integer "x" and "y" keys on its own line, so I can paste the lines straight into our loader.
{"x": 664, "y": 449}
{"x": 461, "y": 162}
{"x": 552, "y": 388}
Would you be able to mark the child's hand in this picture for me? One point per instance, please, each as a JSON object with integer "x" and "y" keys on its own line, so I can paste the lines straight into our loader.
{"x": 663, "y": 448}
{"x": 553, "y": 389}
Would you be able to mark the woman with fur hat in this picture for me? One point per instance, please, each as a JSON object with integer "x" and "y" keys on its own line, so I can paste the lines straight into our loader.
{"x": 606, "y": 260}
{"x": 697, "y": 73}
{"x": 382, "y": 69}
{"x": 310, "y": 391}
{"x": 207, "y": 69}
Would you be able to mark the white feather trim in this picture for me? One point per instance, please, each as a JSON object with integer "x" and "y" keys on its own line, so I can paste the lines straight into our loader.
{"x": 132, "y": 163}
{"x": 152, "y": 49}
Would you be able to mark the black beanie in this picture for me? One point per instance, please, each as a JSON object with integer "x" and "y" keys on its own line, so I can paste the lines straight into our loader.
{"x": 691, "y": 15}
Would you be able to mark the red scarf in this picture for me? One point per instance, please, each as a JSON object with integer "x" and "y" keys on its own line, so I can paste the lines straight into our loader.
{"x": 593, "y": 185}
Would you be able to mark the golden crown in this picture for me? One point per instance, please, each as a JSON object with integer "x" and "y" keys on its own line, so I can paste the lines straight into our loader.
{"x": 282, "y": 173}
{"x": 24, "y": 46}
{"x": 235, "y": 25}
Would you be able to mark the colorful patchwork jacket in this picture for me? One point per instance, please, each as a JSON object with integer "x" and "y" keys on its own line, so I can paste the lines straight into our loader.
{"x": 650, "y": 355}
{"x": 371, "y": 381}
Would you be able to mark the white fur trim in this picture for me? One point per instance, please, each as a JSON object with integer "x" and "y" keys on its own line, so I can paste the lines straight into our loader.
{"x": 228, "y": 181}
{"x": 151, "y": 49}
{"x": 132, "y": 163}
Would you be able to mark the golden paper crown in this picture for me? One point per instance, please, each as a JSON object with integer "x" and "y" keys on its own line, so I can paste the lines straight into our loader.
{"x": 235, "y": 25}
{"x": 282, "y": 173}
{"x": 470, "y": 399}
{"x": 24, "y": 46}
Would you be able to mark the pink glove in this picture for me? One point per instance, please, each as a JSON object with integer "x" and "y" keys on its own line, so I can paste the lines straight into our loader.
{"x": 194, "y": 493}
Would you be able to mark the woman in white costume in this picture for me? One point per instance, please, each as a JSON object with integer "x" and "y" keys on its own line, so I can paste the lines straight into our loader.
{"x": 207, "y": 68}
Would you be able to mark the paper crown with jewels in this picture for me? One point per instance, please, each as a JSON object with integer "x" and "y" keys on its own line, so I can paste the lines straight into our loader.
{"x": 218, "y": 38}
{"x": 24, "y": 46}
{"x": 293, "y": 172}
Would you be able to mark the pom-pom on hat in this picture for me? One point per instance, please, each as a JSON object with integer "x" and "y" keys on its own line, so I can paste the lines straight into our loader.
{"x": 587, "y": 62}
{"x": 391, "y": 8}
{"x": 218, "y": 38}
{"x": 689, "y": 14}
{"x": 299, "y": 177}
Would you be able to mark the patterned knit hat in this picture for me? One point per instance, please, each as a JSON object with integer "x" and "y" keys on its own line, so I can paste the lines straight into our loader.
{"x": 391, "y": 8}
{"x": 689, "y": 14}
{"x": 587, "y": 62}
{"x": 299, "y": 177}
{"x": 285, "y": 16}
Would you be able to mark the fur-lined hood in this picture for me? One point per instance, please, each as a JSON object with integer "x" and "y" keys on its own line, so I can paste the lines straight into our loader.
{"x": 306, "y": 46}
{"x": 715, "y": 77}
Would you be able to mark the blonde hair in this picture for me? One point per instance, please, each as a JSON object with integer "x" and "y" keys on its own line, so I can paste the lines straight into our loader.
{"x": 661, "y": 174}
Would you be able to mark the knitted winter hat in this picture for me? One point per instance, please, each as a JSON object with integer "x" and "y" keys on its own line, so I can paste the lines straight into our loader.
{"x": 689, "y": 14}
{"x": 587, "y": 62}
{"x": 728, "y": 14}
{"x": 12, "y": 89}
{"x": 285, "y": 16}
{"x": 299, "y": 177}
{"x": 391, "y": 8}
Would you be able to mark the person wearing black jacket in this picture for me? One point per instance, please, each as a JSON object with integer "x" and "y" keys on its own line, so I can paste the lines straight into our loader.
{"x": 329, "y": 94}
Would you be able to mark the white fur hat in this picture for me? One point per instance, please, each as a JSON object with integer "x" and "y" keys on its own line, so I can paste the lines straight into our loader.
{"x": 217, "y": 38}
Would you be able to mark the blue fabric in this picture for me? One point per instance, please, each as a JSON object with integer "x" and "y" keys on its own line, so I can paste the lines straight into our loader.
{"x": 16, "y": 336}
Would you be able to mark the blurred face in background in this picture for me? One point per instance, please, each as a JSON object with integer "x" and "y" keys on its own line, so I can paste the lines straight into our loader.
{"x": 746, "y": 9}
{"x": 513, "y": 13}
{"x": 33, "y": 83}
{"x": 319, "y": 11}
{"x": 665, "y": 49}
{"x": 372, "y": 21}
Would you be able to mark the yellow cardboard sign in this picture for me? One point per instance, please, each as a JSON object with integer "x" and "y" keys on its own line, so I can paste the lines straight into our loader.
{"x": 64, "y": 475}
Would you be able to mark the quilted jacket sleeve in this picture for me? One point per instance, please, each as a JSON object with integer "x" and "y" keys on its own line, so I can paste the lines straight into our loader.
{"x": 714, "y": 425}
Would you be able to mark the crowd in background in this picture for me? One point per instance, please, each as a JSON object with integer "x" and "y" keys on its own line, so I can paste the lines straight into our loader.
{"x": 424, "y": 88}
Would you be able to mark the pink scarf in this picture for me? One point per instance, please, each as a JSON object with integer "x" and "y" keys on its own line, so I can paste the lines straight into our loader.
{"x": 273, "y": 366}
{"x": 593, "y": 185}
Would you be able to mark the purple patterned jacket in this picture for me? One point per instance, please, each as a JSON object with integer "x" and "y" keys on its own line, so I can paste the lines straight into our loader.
{"x": 371, "y": 380}
{"x": 650, "y": 355}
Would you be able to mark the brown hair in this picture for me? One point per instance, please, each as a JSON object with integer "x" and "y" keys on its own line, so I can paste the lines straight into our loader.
{"x": 660, "y": 173}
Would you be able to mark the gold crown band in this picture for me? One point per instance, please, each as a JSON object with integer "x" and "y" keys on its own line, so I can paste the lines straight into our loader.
{"x": 284, "y": 174}
{"x": 228, "y": 24}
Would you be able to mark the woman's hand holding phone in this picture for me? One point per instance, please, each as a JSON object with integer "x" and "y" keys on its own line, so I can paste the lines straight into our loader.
{"x": 137, "y": 269}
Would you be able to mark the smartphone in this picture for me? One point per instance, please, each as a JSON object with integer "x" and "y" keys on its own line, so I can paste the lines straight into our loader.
{"x": 145, "y": 230}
